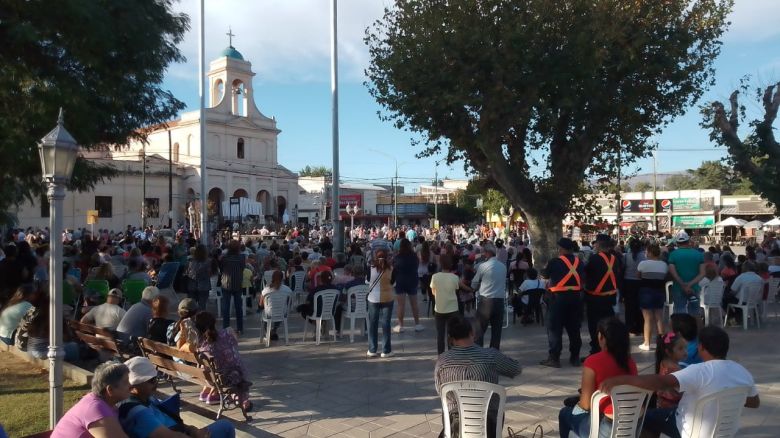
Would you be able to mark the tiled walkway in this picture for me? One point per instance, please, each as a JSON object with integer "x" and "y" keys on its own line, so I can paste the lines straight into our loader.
{"x": 334, "y": 390}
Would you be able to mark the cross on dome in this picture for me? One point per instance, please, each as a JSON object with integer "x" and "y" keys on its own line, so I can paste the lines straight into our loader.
{"x": 230, "y": 35}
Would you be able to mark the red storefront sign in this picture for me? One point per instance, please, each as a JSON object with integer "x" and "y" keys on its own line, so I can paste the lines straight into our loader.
{"x": 351, "y": 199}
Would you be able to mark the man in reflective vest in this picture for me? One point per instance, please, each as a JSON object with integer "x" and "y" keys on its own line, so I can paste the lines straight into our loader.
{"x": 564, "y": 304}
{"x": 602, "y": 271}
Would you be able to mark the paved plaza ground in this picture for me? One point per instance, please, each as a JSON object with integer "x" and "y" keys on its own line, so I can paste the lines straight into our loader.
{"x": 333, "y": 390}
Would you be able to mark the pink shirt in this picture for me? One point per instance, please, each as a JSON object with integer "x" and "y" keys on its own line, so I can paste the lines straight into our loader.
{"x": 75, "y": 423}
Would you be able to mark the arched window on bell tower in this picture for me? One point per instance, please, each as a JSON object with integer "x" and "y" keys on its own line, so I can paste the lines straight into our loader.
{"x": 240, "y": 148}
{"x": 239, "y": 98}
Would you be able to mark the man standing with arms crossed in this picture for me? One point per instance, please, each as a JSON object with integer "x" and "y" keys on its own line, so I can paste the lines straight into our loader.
{"x": 564, "y": 304}
{"x": 490, "y": 283}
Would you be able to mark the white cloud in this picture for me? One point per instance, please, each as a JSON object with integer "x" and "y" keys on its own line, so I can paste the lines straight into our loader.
{"x": 753, "y": 20}
{"x": 285, "y": 40}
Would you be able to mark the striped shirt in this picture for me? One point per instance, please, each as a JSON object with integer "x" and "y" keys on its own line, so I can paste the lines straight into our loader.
{"x": 233, "y": 271}
{"x": 472, "y": 363}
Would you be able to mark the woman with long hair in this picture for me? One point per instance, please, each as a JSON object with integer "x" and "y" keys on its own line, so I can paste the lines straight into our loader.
{"x": 405, "y": 265}
{"x": 631, "y": 283}
{"x": 275, "y": 285}
{"x": 614, "y": 359}
{"x": 426, "y": 269}
{"x": 223, "y": 347}
{"x": 380, "y": 303}
{"x": 13, "y": 312}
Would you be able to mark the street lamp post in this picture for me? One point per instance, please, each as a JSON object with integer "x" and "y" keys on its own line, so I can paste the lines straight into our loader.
{"x": 58, "y": 151}
{"x": 352, "y": 210}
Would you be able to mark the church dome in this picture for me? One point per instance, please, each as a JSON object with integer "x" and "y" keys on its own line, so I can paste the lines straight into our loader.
{"x": 231, "y": 52}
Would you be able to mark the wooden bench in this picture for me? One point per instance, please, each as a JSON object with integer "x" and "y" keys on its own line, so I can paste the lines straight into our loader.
{"x": 191, "y": 367}
{"x": 100, "y": 339}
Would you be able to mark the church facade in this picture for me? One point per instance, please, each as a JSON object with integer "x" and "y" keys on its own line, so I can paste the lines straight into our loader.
{"x": 241, "y": 165}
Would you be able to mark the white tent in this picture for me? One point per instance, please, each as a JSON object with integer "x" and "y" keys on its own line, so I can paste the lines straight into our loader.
{"x": 753, "y": 225}
{"x": 731, "y": 222}
{"x": 773, "y": 223}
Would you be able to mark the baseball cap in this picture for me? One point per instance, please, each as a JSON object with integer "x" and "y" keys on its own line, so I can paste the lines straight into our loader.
{"x": 566, "y": 243}
{"x": 141, "y": 370}
{"x": 115, "y": 292}
{"x": 682, "y": 236}
{"x": 188, "y": 304}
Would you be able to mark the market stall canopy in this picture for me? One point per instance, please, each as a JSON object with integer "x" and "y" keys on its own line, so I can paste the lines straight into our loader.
{"x": 773, "y": 223}
{"x": 753, "y": 225}
{"x": 731, "y": 222}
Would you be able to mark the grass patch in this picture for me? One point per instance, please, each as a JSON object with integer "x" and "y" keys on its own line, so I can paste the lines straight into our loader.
{"x": 24, "y": 396}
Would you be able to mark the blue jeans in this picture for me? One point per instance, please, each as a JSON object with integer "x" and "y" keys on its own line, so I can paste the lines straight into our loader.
{"x": 578, "y": 426}
{"x": 377, "y": 311}
{"x": 662, "y": 421}
{"x": 222, "y": 429}
{"x": 236, "y": 295}
{"x": 683, "y": 305}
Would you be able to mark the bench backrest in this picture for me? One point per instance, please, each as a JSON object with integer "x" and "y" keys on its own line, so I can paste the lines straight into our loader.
{"x": 98, "y": 338}
{"x": 164, "y": 357}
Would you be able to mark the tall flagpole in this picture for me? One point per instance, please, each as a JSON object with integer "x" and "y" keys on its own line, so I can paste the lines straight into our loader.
{"x": 204, "y": 235}
{"x": 338, "y": 230}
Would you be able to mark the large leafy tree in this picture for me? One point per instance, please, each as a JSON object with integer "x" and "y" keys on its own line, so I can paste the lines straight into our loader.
{"x": 537, "y": 95}
{"x": 757, "y": 155}
{"x": 315, "y": 171}
{"x": 103, "y": 61}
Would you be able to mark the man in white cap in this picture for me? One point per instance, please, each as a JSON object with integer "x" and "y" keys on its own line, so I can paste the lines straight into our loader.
{"x": 686, "y": 266}
{"x": 142, "y": 415}
{"x": 137, "y": 318}
{"x": 107, "y": 315}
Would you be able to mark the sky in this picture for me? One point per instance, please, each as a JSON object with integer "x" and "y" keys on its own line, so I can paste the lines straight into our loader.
{"x": 288, "y": 44}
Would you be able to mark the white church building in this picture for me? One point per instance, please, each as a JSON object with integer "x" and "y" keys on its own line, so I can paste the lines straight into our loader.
{"x": 241, "y": 166}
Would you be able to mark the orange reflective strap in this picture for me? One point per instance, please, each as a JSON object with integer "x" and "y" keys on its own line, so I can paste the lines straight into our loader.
{"x": 609, "y": 275}
{"x": 561, "y": 286}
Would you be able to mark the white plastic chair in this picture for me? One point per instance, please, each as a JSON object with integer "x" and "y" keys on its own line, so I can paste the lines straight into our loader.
{"x": 329, "y": 298}
{"x": 473, "y": 399}
{"x": 712, "y": 299}
{"x": 267, "y": 278}
{"x": 669, "y": 304}
{"x": 750, "y": 297}
{"x": 628, "y": 403}
{"x": 359, "y": 295}
{"x": 279, "y": 303}
{"x": 297, "y": 285}
{"x": 724, "y": 407}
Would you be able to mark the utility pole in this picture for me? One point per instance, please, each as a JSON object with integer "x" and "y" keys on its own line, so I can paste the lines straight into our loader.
{"x": 338, "y": 230}
{"x": 143, "y": 182}
{"x": 436, "y": 196}
{"x": 395, "y": 197}
{"x": 655, "y": 192}
{"x": 170, "y": 181}
{"x": 204, "y": 235}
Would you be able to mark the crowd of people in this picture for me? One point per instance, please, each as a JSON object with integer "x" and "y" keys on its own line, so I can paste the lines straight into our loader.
{"x": 468, "y": 276}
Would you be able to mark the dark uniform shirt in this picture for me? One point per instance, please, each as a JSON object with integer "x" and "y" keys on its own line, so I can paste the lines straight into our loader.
{"x": 595, "y": 270}
{"x": 556, "y": 269}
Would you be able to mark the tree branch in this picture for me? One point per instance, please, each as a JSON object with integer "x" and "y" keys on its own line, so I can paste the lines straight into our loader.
{"x": 764, "y": 129}
{"x": 727, "y": 125}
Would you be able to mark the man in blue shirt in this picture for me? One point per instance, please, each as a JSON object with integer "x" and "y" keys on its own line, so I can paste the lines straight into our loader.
{"x": 142, "y": 415}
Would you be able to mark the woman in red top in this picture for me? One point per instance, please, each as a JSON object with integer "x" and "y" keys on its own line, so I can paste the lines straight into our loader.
{"x": 614, "y": 359}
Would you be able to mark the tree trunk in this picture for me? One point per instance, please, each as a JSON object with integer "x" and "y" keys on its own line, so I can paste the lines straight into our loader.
{"x": 544, "y": 229}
